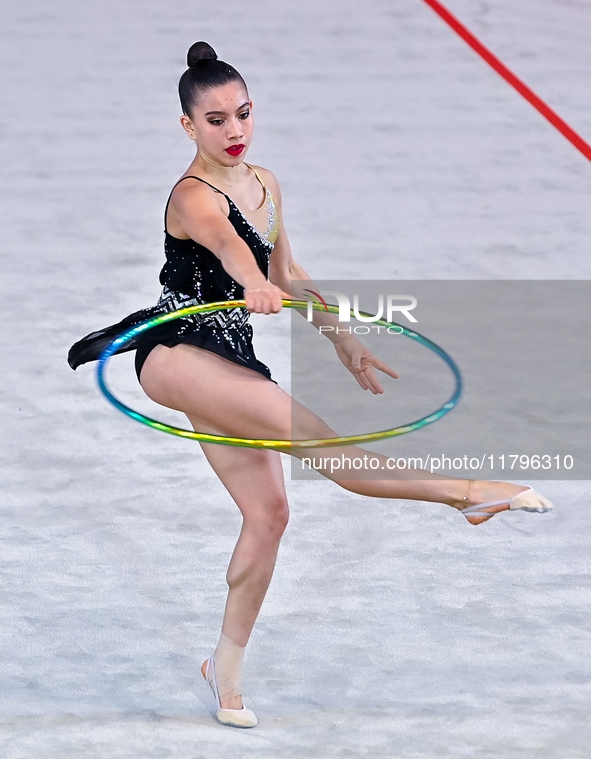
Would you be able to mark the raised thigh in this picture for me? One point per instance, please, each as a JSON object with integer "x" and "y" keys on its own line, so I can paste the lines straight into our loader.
{"x": 223, "y": 398}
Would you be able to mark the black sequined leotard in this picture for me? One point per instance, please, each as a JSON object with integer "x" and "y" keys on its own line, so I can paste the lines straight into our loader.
{"x": 193, "y": 275}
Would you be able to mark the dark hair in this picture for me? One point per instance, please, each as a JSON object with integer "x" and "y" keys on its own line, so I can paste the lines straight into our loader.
{"x": 204, "y": 72}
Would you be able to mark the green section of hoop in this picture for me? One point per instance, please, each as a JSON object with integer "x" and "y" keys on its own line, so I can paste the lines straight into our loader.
{"x": 368, "y": 437}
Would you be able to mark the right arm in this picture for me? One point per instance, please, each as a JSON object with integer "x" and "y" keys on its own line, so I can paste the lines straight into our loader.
{"x": 200, "y": 214}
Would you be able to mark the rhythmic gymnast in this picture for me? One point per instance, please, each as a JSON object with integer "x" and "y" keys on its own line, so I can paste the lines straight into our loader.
{"x": 225, "y": 240}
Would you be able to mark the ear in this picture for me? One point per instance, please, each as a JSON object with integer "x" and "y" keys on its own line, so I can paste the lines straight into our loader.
{"x": 187, "y": 125}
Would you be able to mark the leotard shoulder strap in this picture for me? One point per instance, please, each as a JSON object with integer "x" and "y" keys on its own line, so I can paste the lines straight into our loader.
{"x": 273, "y": 226}
{"x": 257, "y": 175}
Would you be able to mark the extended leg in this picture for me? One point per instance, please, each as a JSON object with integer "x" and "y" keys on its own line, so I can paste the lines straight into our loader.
{"x": 241, "y": 403}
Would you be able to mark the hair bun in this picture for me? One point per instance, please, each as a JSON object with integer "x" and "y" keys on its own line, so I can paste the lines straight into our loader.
{"x": 200, "y": 51}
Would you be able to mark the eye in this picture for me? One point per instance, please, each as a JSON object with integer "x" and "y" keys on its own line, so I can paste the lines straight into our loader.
{"x": 216, "y": 122}
{"x": 244, "y": 115}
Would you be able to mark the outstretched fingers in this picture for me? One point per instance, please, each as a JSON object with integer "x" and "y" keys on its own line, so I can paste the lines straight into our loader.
{"x": 365, "y": 375}
{"x": 385, "y": 368}
{"x": 361, "y": 363}
{"x": 368, "y": 381}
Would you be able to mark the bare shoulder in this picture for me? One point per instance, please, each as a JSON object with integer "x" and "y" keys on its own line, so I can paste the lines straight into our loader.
{"x": 194, "y": 207}
{"x": 189, "y": 188}
{"x": 196, "y": 198}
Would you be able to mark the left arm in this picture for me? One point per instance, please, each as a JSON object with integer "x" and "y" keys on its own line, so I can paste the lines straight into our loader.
{"x": 289, "y": 276}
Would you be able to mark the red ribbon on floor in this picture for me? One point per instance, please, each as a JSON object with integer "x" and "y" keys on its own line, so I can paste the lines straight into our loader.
{"x": 510, "y": 77}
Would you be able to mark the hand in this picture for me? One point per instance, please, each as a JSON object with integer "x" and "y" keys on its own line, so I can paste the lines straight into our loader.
{"x": 263, "y": 298}
{"x": 361, "y": 363}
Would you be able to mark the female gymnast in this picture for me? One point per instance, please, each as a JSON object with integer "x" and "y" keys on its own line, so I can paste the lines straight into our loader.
{"x": 225, "y": 240}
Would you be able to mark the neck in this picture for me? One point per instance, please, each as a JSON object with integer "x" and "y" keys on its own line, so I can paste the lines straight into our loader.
{"x": 228, "y": 175}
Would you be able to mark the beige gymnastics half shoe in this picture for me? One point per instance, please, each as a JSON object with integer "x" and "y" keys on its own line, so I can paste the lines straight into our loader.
{"x": 528, "y": 500}
{"x": 232, "y": 717}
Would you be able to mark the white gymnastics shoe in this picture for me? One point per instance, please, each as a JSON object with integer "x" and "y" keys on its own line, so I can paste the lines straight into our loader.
{"x": 232, "y": 717}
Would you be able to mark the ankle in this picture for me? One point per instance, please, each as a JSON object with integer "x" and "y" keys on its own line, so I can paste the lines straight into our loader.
{"x": 228, "y": 657}
{"x": 461, "y": 493}
{"x": 480, "y": 491}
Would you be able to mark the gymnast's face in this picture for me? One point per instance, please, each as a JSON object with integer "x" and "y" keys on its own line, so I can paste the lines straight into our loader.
{"x": 221, "y": 124}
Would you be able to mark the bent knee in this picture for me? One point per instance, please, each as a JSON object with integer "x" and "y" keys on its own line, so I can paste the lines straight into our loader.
{"x": 282, "y": 518}
{"x": 278, "y": 517}
{"x": 270, "y": 519}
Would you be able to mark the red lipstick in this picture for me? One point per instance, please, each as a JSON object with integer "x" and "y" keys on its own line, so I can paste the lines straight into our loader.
{"x": 235, "y": 149}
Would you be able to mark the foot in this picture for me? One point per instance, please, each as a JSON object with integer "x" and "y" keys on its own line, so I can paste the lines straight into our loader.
{"x": 482, "y": 492}
{"x": 242, "y": 717}
{"x": 235, "y": 702}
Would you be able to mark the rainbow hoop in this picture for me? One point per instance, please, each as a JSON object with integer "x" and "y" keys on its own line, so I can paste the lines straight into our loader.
{"x": 273, "y": 444}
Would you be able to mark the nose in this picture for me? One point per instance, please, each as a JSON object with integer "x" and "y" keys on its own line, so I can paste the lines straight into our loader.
{"x": 235, "y": 129}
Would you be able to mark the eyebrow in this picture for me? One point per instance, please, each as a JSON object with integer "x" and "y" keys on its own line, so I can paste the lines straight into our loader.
{"x": 223, "y": 113}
